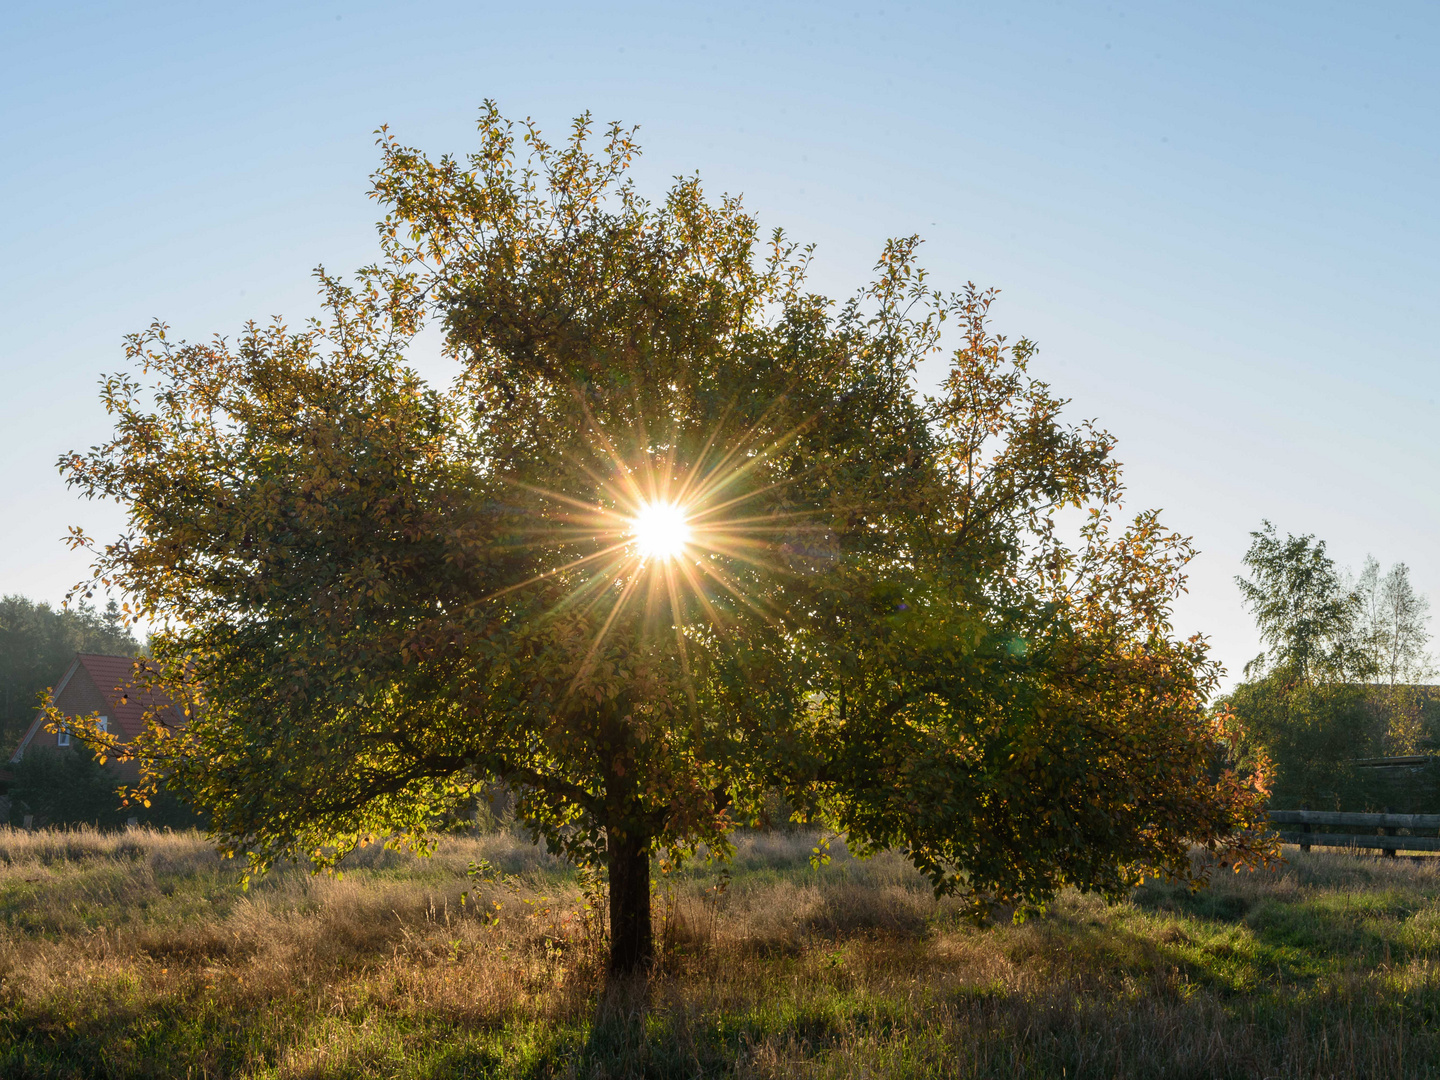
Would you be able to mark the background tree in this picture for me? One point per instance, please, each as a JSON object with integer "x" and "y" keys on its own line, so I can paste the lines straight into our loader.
{"x": 1392, "y": 628}
{"x": 1335, "y": 683}
{"x": 1392, "y": 624}
{"x": 1302, "y": 701}
{"x": 680, "y": 534}
{"x": 65, "y": 787}
{"x": 1306, "y": 616}
{"x": 37, "y": 644}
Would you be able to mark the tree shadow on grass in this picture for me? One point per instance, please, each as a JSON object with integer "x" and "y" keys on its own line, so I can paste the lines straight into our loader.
{"x": 173, "y": 1037}
{"x": 1301, "y": 939}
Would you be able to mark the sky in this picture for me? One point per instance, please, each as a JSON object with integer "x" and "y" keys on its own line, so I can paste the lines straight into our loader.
{"x": 1218, "y": 220}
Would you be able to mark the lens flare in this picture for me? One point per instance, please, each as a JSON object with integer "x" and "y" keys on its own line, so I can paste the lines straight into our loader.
{"x": 661, "y": 530}
{"x": 661, "y": 540}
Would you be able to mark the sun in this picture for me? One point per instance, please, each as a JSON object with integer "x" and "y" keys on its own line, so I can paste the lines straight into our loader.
{"x": 661, "y": 530}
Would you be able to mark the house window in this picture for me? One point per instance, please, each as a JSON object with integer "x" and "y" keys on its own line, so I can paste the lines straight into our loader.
{"x": 63, "y": 738}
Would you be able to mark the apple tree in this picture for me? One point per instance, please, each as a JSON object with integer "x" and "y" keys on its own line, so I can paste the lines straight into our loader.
{"x": 681, "y": 531}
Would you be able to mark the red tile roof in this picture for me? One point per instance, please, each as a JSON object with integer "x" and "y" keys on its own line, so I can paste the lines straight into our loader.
{"x": 114, "y": 677}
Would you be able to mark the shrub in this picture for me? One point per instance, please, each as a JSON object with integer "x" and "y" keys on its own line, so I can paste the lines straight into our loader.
{"x": 72, "y": 787}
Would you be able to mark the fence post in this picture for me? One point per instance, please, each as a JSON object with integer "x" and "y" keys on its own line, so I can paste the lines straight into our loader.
{"x": 1304, "y": 828}
{"x": 1389, "y": 852}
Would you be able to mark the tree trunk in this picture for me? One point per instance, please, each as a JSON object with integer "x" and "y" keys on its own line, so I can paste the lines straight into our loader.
{"x": 632, "y": 946}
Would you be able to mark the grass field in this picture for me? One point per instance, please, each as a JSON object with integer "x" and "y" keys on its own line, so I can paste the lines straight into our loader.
{"x": 138, "y": 955}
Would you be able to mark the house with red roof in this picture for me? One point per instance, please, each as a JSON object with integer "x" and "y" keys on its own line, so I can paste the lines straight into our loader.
{"x": 96, "y": 684}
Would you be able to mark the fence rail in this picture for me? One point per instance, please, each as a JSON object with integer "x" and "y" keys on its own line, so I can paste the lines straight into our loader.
{"x": 1353, "y": 831}
{"x": 1364, "y": 821}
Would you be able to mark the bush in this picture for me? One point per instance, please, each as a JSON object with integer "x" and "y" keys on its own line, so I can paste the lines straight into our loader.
{"x": 72, "y": 787}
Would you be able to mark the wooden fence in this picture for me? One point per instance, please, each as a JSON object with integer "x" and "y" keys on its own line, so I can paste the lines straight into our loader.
{"x": 1323, "y": 828}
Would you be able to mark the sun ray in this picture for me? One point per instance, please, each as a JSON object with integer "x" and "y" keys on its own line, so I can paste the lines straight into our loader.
{"x": 554, "y": 571}
{"x": 763, "y": 453}
{"x": 724, "y": 580}
{"x": 715, "y": 617}
{"x": 586, "y": 663}
{"x": 595, "y": 584}
{"x": 678, "y": 624}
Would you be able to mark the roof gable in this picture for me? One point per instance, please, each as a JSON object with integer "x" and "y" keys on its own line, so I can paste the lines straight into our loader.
{"x": 114, "y": 677}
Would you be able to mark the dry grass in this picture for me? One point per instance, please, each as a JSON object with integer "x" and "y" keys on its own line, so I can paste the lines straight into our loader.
{"x": 138, "y": 955}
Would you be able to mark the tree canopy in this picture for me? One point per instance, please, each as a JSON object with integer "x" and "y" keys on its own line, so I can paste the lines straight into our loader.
{"x": 376, "y": 595}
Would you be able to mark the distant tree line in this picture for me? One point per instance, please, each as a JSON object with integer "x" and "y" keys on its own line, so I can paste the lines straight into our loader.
{"x": 1344, "y": 676}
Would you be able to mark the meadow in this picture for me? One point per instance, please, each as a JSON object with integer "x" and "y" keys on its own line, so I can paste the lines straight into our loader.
{"x": 137, "y": 954}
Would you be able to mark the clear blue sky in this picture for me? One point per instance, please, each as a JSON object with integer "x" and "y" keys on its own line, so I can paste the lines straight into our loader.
{"x": 1218, "y": 220}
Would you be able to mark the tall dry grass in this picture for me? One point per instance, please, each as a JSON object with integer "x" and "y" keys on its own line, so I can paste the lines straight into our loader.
{"x": 138, "y": 955}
